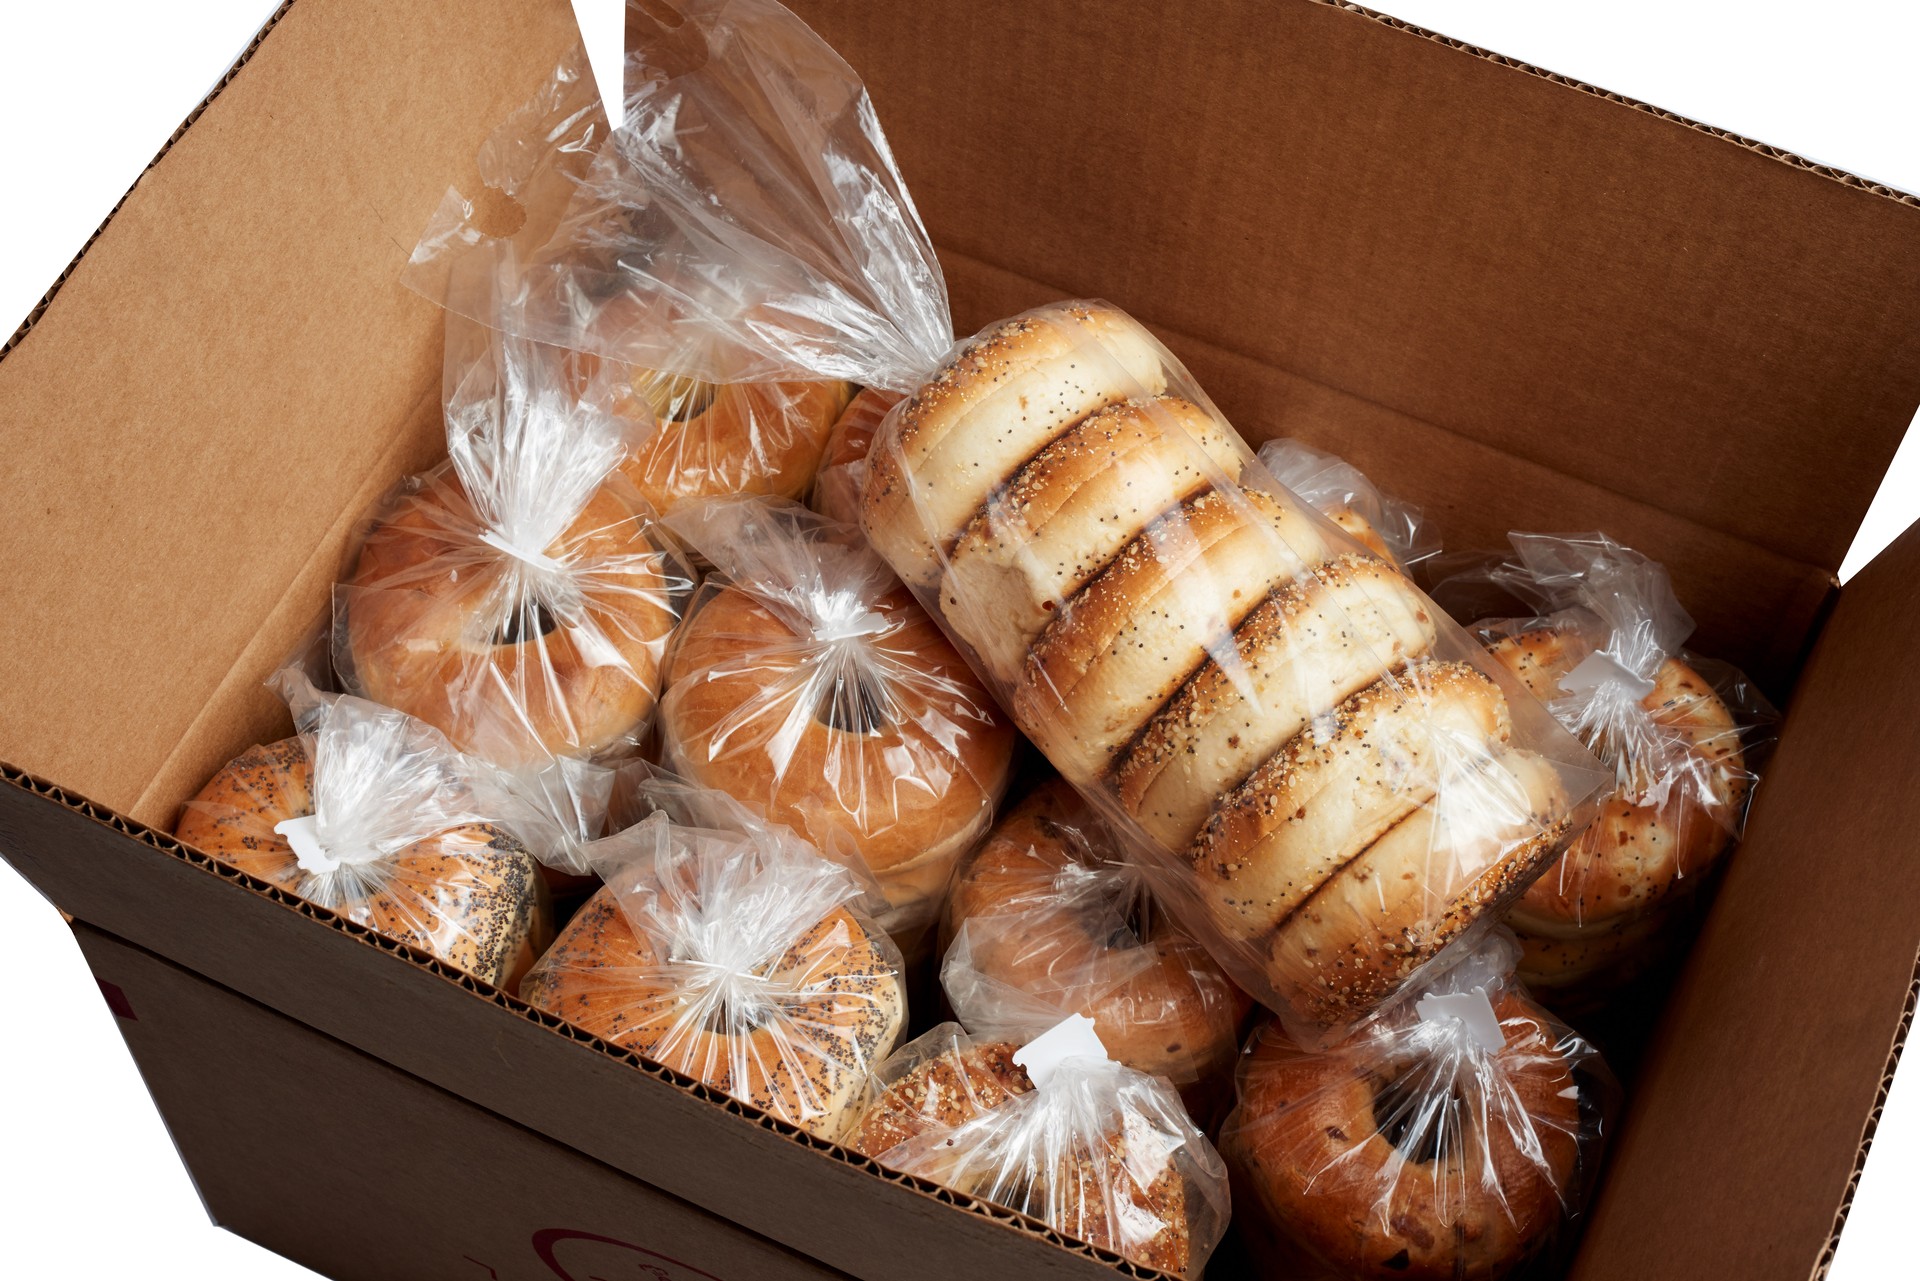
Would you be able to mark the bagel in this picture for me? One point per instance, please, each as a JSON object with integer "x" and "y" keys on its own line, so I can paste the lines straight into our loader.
{"x": 1310, "y": 645}
{"x": 1051, "y": 917}
{"x": 1575, "y": 968}
{"x": 1676, "y": 808}
{"x": 843, "y": 467}
{"x": 1338, "y": 787}
{"x": 1068, "y": 512}
{"x": 1371, "y": 1158}
{"x": 881, "y": 744}
{"x": 989, "y": 409}
{"x": 510, "y": 662}
{"x": 1461, "y": 858}
{"x": 471, "y": 895}
{"x": 1133, "y": 635}
{"x": 942, "y": 1092}
{"x": 833, "y": 1008}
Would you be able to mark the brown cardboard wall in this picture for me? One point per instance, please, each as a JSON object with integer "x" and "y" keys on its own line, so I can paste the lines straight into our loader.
{"x": 364, "y": 1173}
{"x": 1748, "y": 1117}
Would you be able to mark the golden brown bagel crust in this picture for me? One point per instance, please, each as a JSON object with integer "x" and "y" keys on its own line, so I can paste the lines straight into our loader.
{"x": 420, "y": 645}
{"x": 1306, "y": 1150}
{"x": 987, "y": 411}
{"x": 1311, "y": 644}
{"x": 604, "y": 979}
{"x": 946, "y": 1091}
{"x": 1068, "y": 512}
{"x": 836, "y": 487}
{"x": 931, "y": 772}
{"x": 1133, "y": 635}
{"x": 1337, "y": 788}
{"x": 731, "y": 438}
{"x": 1636, "y": 852}
{"x": 1428, "y": 879}
{"x": 471, "y": 895}
{"x": 1174, "y": 1014}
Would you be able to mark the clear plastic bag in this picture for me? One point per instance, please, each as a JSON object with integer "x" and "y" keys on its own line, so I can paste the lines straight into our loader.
{"x": 1045, "y": 919}
{"x": 1678, "y": 732}
{"x": 737, "y": 956}
{"x": 807, "y": 683}
{"x": 1452, "y": 1137}
{"x": 1389, "y": 528}
{"x": 519, "y": 596}
{"x": 843, "y": 470}
{"x": 1188, "y": 643}
{"x": 373, "y": 815}
{"x": 1099, "y": 1152}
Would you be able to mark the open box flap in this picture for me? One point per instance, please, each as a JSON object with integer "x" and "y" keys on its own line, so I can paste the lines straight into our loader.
{"x": 226, "y": 378}
{"x": 1480, "y": 250}
{"x": 1745, "y": 1135}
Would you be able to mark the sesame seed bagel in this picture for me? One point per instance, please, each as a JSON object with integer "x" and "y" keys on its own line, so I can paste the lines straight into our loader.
{"x": 992, "y": 407}
{"x": 453, "y": 632}
{"x": 1068, "y": 512}
{"x": 1676, "y": 809}
{"x": 1338, "y": 787}
{"x": 835, "y": 1009}
{"x": 1311, "y": 644}
{"x": 1133, "y": 635}
{"x": 1360, "y": 530}
{"x": 945, "y": 1091}
{"x": 1467, "y": 853}
{"x": 470, "y": 895}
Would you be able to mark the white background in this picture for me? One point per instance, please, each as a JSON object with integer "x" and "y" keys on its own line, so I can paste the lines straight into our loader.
{"x": 90, "y": 89}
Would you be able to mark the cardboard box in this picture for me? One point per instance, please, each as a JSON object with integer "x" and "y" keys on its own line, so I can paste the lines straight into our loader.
{"x": 1520, "y": 301}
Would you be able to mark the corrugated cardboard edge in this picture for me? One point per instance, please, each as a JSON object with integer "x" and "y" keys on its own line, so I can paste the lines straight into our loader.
{"x": 1788, "y": 158}
{"x": 40, "y": 308}
{"x": 1901, "y": 1031}
{"x": 166, "y": 845}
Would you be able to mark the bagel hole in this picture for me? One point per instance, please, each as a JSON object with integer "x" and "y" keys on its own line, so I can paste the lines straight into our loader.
{"x": 1407, "y": 1115}
{"x": 528, "y": 620}
{"x": 853, "y": 702}
{"x": 676, "y": 398}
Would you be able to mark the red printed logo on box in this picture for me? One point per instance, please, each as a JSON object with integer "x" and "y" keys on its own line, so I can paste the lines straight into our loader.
{"x": 588, "y": 1256}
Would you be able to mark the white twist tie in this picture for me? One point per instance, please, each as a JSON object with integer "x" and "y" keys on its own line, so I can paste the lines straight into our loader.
{"x": 1071, "y": 1038}
{"x": 1599, "y": 669}
{"x": 1471, "y": 1010}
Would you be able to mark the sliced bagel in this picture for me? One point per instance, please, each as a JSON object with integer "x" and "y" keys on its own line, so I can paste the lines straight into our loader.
{"x": 1310, "y": 645}
{"x": 1068, "y": 512}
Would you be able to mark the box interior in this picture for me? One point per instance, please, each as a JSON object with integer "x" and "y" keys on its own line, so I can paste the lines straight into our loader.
{"x": 1518, "y": 301}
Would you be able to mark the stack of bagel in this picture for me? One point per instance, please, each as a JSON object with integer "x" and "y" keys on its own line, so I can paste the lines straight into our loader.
{"x": 1259, "y": 694}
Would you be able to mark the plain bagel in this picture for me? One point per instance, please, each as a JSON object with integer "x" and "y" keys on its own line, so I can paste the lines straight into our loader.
{"x": 1313, "y": 643}
{"x": 1068, "y": 512}
{"x": 987, "y": 411}
{"x": 1146, "y": 622}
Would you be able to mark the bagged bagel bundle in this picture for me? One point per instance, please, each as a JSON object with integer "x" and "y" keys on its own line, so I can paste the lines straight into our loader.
{"x": 373, "y": 815}
{"x": 1679, "y": 733}
{"x": 1389, "y": 528}
{"x": 546, "y": 226}
{"x": 519, "y": 596}
{"x": 736, "y": 955}
{"x": 1045, "y": 920}
{"x": 1057, "y": 1131}
{"x": 1454, "y": 1136}
{"x": 809, "y": 685}
{"x": 1324, "y": 780}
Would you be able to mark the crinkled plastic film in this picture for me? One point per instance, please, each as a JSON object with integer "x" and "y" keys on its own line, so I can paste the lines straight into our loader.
{"x": 1191, "y": 645}
{"x": 1414, "y": 1148}
{"x": 374, "y": 815}
{"x": 738, "y": 957}
{"x": 519, "y": 596}
{"x": 1679, "y": 734}
{"x": 1046, "y": 919}
{"x": 1099, "y": 1151}
{"x": 807, "y": 683}
{"x": 1387, "y": 527}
